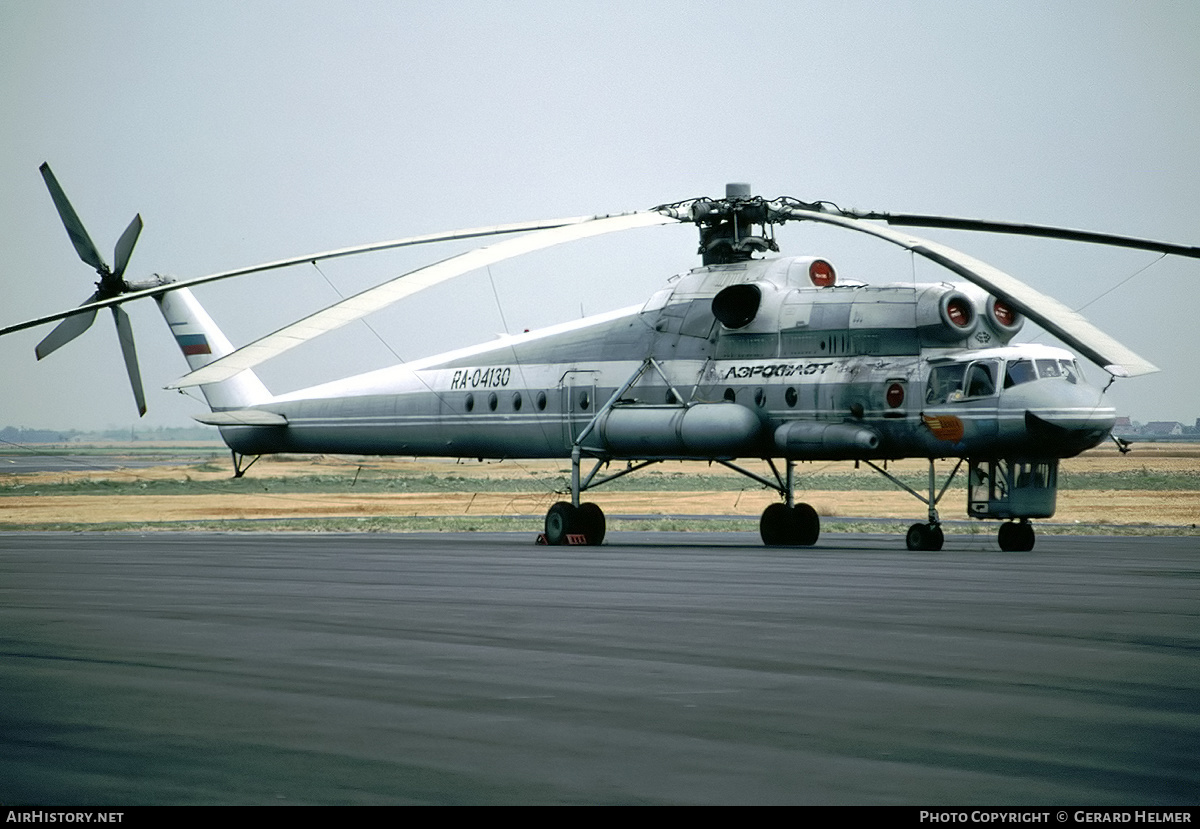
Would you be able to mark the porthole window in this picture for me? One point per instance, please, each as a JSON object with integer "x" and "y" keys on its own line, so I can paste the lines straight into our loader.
{"x": 541, "y": 401}
{"x": 730, "y": 395}
{"x": 790, "y": 397}
{"x": 516, "y": 401}
{"x": 470, "y": 402}
{"x": 760, "y": 397}
{"x": 584, "y": 401}
{"x": 493, "y": 401}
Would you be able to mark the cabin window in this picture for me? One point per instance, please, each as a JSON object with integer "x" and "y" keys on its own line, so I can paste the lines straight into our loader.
{"x": 584, "y": 401}
{"x": 541, "y": 401}
{"x": 493, "y": 401}
{"x": 470, "y": 402}
{"x": 790, "y": 397}
{"x": 516, "y": 400}
{"x": 730, "y": 395}
{"x": 760, "y": 397}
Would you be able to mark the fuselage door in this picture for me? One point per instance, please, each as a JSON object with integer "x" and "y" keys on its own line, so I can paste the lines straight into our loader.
{"x": 578, "y": 395}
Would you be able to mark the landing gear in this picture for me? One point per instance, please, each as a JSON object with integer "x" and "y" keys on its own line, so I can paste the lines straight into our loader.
{"x": 789, "y": 524}
{"x": 784, "y": 526}
{"x": 1016, "y": 537}
{"x": 925, "y": 537}
{"x": 238, "y": 469}
{"x": 567, "y": 523}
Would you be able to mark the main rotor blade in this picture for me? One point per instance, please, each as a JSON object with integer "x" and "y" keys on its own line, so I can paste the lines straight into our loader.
{"x": 430, "y": 238}
{"x": 917, "y": 220}
{"x": 374, "y": 299}
{"x": 67, "y": 330}
{"x": 1064, "y": 323}
{"x": 79, "y": 237}
{"x": 129, "y": 352}
{"x": 125, "y": 245}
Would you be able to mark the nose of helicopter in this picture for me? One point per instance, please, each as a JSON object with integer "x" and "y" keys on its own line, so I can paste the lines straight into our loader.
{"x": 1064, "y": 419}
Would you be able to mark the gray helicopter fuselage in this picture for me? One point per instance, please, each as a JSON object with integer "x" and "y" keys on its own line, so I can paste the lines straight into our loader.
{"x": 740, "y": 360}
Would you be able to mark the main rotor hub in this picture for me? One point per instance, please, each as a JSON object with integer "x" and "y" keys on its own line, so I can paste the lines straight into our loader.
{"x": 736, "y": 227}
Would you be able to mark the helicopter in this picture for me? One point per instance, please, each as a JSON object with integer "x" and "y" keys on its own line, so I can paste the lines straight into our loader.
{"x": 750, "y": 355}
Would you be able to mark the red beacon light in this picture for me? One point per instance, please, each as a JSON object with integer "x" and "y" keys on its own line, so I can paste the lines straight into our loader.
{"x": 822, "y": 274}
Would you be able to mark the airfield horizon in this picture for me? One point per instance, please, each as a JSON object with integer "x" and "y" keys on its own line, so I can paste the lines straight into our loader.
{"x": 1155, "y": 489}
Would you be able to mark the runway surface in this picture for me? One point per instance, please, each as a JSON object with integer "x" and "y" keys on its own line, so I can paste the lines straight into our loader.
{"x": 659, "y": 668}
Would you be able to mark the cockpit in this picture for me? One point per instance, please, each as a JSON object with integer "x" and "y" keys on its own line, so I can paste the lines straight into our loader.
{"x": 982, "y": 378}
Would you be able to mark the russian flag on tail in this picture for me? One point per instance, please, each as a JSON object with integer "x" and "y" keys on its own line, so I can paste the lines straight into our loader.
{"x": 193, "y": 344}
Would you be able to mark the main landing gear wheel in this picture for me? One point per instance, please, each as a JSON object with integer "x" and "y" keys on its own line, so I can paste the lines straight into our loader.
{"x": 1016, "y": 537}
{"x": 591, "y": 523}
{"x": 925, "y": 537}
{"x": 784, "y": 526}
{"x": 564, "y": 519}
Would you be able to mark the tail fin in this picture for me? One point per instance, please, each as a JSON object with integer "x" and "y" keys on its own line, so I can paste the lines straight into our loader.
{"x": 201, "y": 342}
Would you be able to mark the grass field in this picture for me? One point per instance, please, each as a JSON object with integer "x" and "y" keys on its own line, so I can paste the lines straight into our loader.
{"x": 1156, "y": 488}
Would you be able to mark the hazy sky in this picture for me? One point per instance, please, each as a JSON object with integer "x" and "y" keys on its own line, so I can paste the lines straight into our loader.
{"x": 250, "y": 131}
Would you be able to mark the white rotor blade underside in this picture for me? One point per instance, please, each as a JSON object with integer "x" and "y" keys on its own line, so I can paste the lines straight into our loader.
{"x": 381, "y": 296}
{"x": 1064, "y": 323}
{"x": 160, "y": 287}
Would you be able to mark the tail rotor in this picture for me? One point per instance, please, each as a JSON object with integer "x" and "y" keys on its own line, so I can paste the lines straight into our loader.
{"x": 112, "y": 284}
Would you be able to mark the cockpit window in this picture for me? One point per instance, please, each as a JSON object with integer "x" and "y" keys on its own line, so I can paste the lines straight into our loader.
{"x": 944, "y": 381}
{"x": 1065, "y": 369}
{"x": 960, "y": 382}
{"x": 981, "y": 379}
{"x": 1048, "y": 368}
{"x": 1070, "y": 370}
{"x": 1019, "y": 371}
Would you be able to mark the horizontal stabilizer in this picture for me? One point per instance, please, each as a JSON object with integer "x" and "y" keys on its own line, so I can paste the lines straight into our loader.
{"x": 242, "y": 417}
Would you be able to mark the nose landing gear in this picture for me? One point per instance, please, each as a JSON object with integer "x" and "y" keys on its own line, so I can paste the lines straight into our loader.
{"x": 925, "y": 537}
{"x": 1016, "y": 536}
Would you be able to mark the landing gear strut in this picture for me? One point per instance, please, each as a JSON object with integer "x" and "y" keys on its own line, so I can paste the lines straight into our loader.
{"x": 927, "y": 536}
{"x": 570, "y": 522}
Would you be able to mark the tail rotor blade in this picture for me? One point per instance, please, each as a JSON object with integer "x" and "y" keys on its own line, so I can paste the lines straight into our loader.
{"x": 129, "y": 352}
{"x": 67, "y": 330}
{"x": 79, "y": 237}
{"x": 125, "y": 245}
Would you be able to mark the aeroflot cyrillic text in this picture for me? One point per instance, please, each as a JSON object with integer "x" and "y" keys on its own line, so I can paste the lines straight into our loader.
{"x": 481, "y": 378}
{"x": 776, "y": 370}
